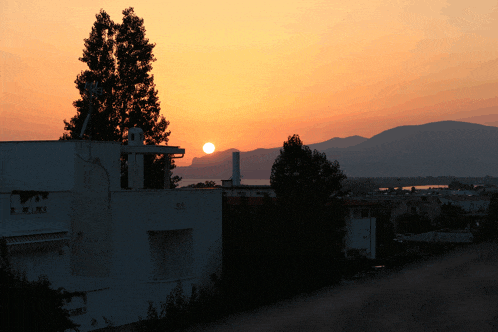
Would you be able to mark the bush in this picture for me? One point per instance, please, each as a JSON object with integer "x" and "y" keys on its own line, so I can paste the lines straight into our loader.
{"x": 31, "y": 306}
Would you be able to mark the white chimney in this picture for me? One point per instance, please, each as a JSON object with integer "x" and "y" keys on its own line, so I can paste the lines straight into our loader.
{"x": 236, "y": 168}
{"x": 135, "y": 161}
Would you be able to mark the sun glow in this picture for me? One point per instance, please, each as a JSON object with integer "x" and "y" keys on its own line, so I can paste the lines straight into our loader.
{"x": 208, "y": 148}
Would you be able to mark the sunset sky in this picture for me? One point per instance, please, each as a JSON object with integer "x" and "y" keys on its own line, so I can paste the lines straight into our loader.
{"x": 247, "y": 74}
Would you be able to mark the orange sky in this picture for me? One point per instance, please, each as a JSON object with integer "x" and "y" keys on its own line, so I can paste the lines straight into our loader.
{"x": 247, "y": 75}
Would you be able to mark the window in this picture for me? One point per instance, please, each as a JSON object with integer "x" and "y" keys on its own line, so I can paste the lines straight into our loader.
{"x": 364, "y": 213}
{"x": 171, "y": 253}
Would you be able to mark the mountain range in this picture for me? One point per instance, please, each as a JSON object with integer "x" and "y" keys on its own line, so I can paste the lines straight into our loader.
{"x": 434, "y": 149}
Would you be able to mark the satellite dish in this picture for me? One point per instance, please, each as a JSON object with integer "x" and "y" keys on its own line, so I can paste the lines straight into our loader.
{"x": 92, "y": 89}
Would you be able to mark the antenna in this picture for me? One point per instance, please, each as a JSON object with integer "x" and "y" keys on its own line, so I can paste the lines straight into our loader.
{"x": 92, "y": 89}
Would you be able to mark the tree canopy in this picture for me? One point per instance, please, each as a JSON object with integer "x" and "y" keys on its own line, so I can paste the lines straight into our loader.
{"x": 304, "y": 183}
{"x": 300, "y": 175}
{"x": 119, "y": 57}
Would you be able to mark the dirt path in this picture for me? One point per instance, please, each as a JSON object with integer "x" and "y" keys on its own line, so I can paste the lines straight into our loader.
{"x": 457, "y": 292}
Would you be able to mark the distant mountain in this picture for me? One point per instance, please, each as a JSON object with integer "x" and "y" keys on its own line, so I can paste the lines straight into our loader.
{"x": 433, "y": 149}
{"x": 255, "y": 164}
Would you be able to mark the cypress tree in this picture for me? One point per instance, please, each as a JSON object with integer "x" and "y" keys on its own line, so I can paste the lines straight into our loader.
{"x": 120, "y": 57}
{"x": 99, "y": 56}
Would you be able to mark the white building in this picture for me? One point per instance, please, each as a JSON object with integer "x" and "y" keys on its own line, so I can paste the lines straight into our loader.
{"x": 360, "y": 229}
{"x": 122, "y": 247}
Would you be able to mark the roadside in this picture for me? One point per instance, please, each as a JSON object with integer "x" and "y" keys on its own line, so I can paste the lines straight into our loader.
{"x": 454, "y": 292}
{"x": 407, "y": 277}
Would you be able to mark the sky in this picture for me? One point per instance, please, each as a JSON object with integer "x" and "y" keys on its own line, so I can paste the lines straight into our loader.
{"x": 248, "y": 74}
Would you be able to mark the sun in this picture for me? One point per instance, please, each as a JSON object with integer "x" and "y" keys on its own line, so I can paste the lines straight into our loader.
{"x": 208, "y": 148}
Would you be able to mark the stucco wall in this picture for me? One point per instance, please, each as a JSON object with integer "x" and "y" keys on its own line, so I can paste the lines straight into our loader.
{"x": 46, "y": 165}
{"x": 50, "y": 165}
{"x": 108, "y": 250}
{"x": 136, "y": 212}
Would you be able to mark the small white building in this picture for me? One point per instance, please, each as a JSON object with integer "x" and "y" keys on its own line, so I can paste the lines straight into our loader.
{"x": 122, "y": 248}
{"x": 360, "y": 229}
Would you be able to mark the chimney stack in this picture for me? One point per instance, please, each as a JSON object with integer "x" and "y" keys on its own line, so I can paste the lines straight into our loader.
{"x": 135, "y": 160}
{"x": 236, "y": 168}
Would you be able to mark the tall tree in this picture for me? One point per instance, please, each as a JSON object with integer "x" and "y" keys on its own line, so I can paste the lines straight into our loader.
{"x": 99, "y": 55}
{"x": 304, "y": 182}
{"x": 120, "y": 58}
{"x": 300, "y": 176}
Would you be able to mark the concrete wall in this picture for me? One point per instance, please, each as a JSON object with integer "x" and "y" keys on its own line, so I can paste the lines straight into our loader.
{"x": 51, "y": 165}
{"x": 45, "y": 165}
{"x": 137, "y": 212}
{"x": 116, "y": 239}
{"x": 131, "y": 279}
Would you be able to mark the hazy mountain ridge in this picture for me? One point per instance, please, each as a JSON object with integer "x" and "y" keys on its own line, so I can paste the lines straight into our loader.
{"x": 433, "y": 149}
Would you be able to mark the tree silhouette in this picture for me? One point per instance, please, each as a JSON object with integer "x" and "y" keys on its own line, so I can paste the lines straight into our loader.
{"x": 300, "y": 176}
{"x": 119, "y": 58}
{"x": 304, "y": 182}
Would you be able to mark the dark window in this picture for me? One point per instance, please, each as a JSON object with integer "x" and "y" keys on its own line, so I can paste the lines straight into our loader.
{"x": 12, "y": 210}
{"x": 364, "y": 213}
{"x": 25, "y": 210}
{"x": 132, "y": 137}
{"x": 171, "y": 253}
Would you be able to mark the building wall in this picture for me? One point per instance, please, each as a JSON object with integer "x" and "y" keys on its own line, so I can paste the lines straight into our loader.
{"x": 52, "y": 165}
{"x": 135, "y": 213}
{"x": 119, "y": 242}
{"x": 361, "y": 232}
{"x": 47, "y": 165}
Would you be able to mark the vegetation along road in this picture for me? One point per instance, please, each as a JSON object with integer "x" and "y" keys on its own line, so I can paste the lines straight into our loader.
{"x": 454, "y": 292}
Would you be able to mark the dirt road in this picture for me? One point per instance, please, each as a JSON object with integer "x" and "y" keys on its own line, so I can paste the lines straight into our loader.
{"x": 457, "y": 292}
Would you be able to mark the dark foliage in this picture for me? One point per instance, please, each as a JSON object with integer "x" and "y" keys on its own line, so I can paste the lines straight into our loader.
{"x": 120, "y": 58}
{"x": 452, "y": 217}
{"x": 206, "y": 184}
{"x": 384, "y": 233}
{"x": 488, "y": 227}
{"x": 302, "y": 177}
{"x": 312, "y": 220}
{"x": 413, "y": 223}
{"x": 456, "y": 185}
{"x": 31, "y": 305}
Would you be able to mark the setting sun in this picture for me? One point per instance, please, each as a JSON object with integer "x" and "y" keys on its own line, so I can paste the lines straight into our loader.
{"x": 208, "y": 148}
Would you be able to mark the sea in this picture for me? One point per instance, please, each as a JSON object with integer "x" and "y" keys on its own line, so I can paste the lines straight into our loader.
{"x": 252, "y": 182}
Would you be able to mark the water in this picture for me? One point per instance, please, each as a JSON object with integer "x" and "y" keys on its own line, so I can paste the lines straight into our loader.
{"x": 252, "y": 182}
{"x": 433, "y": 186}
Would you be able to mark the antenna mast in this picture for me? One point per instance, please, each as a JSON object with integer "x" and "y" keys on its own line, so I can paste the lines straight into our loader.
{"x": 92, "y": 89}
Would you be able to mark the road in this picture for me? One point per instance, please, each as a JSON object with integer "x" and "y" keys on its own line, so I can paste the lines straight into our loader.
{"x": 456, "y": 292}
